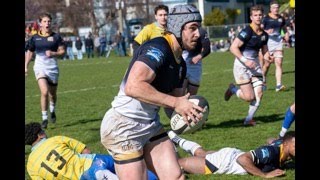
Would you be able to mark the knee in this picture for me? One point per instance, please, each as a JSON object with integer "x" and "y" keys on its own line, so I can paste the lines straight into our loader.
{"x": 248, "y": 97}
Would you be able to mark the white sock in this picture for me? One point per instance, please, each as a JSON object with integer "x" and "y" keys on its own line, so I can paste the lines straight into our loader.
{"x": 188, "y": 146}
{"x": 283, "y": 132}
{"x": 252, "y": 110}
{"x": 44, "y": 115}
{"x": 238, "y": 93}
{"x": 52, "y": 107}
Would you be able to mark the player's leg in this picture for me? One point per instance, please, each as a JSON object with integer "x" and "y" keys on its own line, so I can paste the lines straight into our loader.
{"x": 53, "y": 101}
{"x": 257, "y": 85}
{"x": 161, "y": 157}
{"x": 278, "y": 57}
{"x": 44, "y": 90}
{"x": 288, "y": 120}
{"x": 243, "y": 79}
{"x": 193, "y": 164}
{"x": 188, "y": 146}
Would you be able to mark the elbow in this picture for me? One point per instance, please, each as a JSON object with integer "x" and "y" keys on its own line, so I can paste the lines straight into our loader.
{"x": 129, "y": 90}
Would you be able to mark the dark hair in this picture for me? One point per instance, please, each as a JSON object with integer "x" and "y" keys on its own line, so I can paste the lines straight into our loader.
{"x": 289, "y": 135}
{"x": 31, "y": 132}
{"x": 256, "y": 8}
{"x": 274, "y": 2}
{"x": 44, "y": 15}
{"x": 159, "y": 7}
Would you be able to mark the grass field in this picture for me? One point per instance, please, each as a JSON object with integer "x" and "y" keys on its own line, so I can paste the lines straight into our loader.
{"x": 87, "y": 87}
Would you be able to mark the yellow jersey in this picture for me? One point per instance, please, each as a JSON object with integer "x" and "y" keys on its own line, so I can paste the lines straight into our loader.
{"x": 148, "y": 32}
{"x": 58, "y": 157}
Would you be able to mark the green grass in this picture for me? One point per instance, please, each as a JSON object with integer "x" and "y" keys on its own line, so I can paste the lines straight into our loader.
{"x": 87, "y": 87}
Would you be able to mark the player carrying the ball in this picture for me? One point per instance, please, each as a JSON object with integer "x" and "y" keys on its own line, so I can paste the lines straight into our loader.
{"x": 131, "y": 130}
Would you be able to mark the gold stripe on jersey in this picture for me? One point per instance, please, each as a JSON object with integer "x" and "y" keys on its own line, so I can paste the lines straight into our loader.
{"x": 58, "y": 157}
{"x": 148, "y": 32}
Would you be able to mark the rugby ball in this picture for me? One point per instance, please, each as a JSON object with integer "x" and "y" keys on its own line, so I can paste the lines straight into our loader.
{"x": 179, "y": 126}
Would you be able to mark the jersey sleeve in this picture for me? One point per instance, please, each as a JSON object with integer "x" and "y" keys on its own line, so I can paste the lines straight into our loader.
{"x": 61, "y": 42}
{"x": 244, "y": 35}
{"x": 153, "y": 56}
{"x": 205, "y": 41}
{"x": 31, "y": 45}
{"x": 74, "y": 144}
{"x": 143, "y": 35}
{"x": 262, "y": 155}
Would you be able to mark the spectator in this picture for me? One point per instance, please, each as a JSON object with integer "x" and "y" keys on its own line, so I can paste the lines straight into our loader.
{"x": 79, "y": 48}
{"x": 89, "y": 45}
{"x": 69, "y": 48}
{"x": 103, "y": 45}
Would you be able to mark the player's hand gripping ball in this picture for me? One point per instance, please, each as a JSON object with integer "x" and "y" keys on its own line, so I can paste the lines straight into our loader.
{"x": 179, "y": 126}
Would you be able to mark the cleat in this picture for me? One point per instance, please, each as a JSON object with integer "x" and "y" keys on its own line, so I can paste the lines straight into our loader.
{"x": 174, "y": 137}
{"x": 44, "y": 124}
{"x": 228, "y": 92}
{"x": 280, "y": 88}
{"x": 53, "y": 117}
{"x": 249, "y": 123}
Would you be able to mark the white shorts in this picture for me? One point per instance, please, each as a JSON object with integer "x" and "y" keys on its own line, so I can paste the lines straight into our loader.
{"x": 275, "y": 44}
{"x": 46, "y": 68}
{"x": 124, "y": 137}
{"x": 242, "y": 74}
{"x": 226, "y": 161}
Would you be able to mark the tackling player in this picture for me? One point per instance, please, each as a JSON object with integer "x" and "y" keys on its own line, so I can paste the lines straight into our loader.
{"x": 266, "y": 161}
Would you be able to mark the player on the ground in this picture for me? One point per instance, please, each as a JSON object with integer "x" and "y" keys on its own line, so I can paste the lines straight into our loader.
{"x": 266, "y": 161}
{"x": 61, "y": 157}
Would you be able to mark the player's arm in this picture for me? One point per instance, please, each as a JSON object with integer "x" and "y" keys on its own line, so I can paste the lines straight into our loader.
{"x": 29, "y": 54}
{"x": 235, "y": 50}
{"x": 60, "y": 51}
{"x": 266, "y": 54}
{"x": 246, "y": 161}
{"x": 251, "y": 159}
{"x": 139, "y": 86}
{"x": 86, "y": 151}
{"x": 28, "y": 57}
{"x": 205, "y": 51}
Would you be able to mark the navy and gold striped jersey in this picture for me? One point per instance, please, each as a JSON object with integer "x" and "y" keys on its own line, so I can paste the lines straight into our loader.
{"x": 275, "y": 24}
{"x": 252, "y": 42}
{"x": 40, "y": 43}
{"x": 268, "y": 158}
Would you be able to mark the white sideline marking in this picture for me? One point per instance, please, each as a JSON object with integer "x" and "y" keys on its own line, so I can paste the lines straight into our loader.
{"x": 75, "y": 91}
